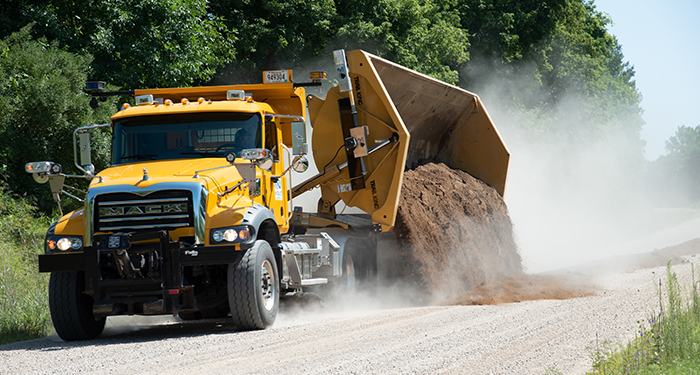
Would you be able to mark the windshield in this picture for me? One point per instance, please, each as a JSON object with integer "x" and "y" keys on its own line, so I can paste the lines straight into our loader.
{"x": 187, "y": 135}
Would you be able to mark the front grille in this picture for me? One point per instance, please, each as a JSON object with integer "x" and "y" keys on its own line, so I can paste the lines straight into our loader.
{"x": 116, "y": 212}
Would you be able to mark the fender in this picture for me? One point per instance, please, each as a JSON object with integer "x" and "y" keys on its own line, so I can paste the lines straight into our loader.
{"x": 265, "y": 224}
{"x": 255, "y": 216}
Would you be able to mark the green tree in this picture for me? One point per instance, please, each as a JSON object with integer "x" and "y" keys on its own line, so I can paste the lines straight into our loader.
{"x": 422, "y": 35}
{"x": 555, "y": 61}
{"x": 674, "y": 178}
{"x": 508, "y": 30}
{"x": 274, "y": 34}
{"x": 136, "y": 43}
{"x": 41, "y": 103}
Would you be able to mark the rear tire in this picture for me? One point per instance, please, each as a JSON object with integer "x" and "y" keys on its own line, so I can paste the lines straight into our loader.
{"x": 347, "y": 282}
{"x": 363, "y": 256}
{"x": 253, "y": 288}
{"x": 71, "y": 309}
{"x": 359, "y": 273}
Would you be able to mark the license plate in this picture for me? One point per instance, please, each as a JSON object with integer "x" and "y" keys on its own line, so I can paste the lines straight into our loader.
{"x": 114, "y": 242}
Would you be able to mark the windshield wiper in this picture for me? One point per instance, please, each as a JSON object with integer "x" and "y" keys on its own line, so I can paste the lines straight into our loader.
{"x": 139, "y": 156}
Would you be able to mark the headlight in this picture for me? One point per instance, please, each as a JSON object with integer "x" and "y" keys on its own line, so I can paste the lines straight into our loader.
{"x": 230, "y": 235}
{"x": 64, "y": 243}
{"x": 237, "y": 234}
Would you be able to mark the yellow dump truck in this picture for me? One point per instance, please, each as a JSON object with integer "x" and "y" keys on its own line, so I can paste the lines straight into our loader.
{"x": 195, "y": 216}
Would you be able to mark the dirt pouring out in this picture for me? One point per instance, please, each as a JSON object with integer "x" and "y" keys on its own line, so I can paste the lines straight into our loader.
{"x": 457, "y": 242}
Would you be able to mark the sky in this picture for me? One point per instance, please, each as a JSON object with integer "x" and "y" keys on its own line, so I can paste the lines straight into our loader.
{"x": 661, "y": 39}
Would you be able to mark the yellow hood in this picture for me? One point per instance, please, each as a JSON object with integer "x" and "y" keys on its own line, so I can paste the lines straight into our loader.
{"x": 147, "y": 173}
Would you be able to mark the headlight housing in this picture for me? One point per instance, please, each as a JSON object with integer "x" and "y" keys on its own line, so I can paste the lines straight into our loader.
{"x": 236, "y": 234}
{"x": 64, "y": 243}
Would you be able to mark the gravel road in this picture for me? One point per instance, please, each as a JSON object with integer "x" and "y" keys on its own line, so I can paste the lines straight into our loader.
{"x": 518, "y": 338}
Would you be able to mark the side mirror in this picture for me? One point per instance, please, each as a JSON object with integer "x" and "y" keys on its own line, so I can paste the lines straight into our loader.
{"x": 81, "y": 148}
{"x": 299, "y": 145}
{"x": 85, "y": 155}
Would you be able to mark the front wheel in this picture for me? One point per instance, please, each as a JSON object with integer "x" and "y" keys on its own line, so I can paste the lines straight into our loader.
{"x": 71, "y": 309}
{"x": 253, "y": 288}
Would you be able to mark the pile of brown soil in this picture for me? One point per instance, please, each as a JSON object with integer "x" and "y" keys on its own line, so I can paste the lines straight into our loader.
{"x": 523, "y": 287}
{"x": 456, "y": 246}
{"x": 455, "y": 232}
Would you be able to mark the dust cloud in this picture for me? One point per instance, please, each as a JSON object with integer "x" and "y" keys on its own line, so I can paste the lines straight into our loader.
{"x": 333, "y": 305}
{"x": 575, "y": 189}
{"x": 116, "y": 325}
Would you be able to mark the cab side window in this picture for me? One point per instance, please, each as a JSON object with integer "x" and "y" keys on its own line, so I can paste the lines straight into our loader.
{"x": 271, "y": 139}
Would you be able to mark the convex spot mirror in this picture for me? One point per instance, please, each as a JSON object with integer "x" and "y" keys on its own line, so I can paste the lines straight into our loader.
{"x": 265, "y": 164}
{"x": 301, "y": 165}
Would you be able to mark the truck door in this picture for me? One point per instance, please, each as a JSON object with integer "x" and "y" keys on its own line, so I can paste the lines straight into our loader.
{"x": 276, "y": 188}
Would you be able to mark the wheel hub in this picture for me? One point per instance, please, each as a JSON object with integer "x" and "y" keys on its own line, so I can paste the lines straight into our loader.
{"x": 267, "y": 286}
{"x": 350, "y": 272}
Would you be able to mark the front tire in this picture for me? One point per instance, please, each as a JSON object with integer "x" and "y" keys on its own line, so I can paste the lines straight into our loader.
{"x": 71, "y": 309}
{"x": 253, "y": 288}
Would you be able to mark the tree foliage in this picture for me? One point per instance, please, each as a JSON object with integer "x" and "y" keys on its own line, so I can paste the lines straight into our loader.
{"x": 560, "y": 44}
{"x": 556, "y": 60}
{"x": 41, "y": 103}
{"x": 674, "y": 178}
{"x": 136, "y": 43}
{"x": 422, "y": 35}
{"x": 274, "y": 34}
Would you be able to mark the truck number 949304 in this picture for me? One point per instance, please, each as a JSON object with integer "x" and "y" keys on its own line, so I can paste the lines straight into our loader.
{"x": 277, "y": 76}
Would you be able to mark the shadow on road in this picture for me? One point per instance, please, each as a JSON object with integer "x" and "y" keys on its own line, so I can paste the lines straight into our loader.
{"x": 123, "y": 331}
